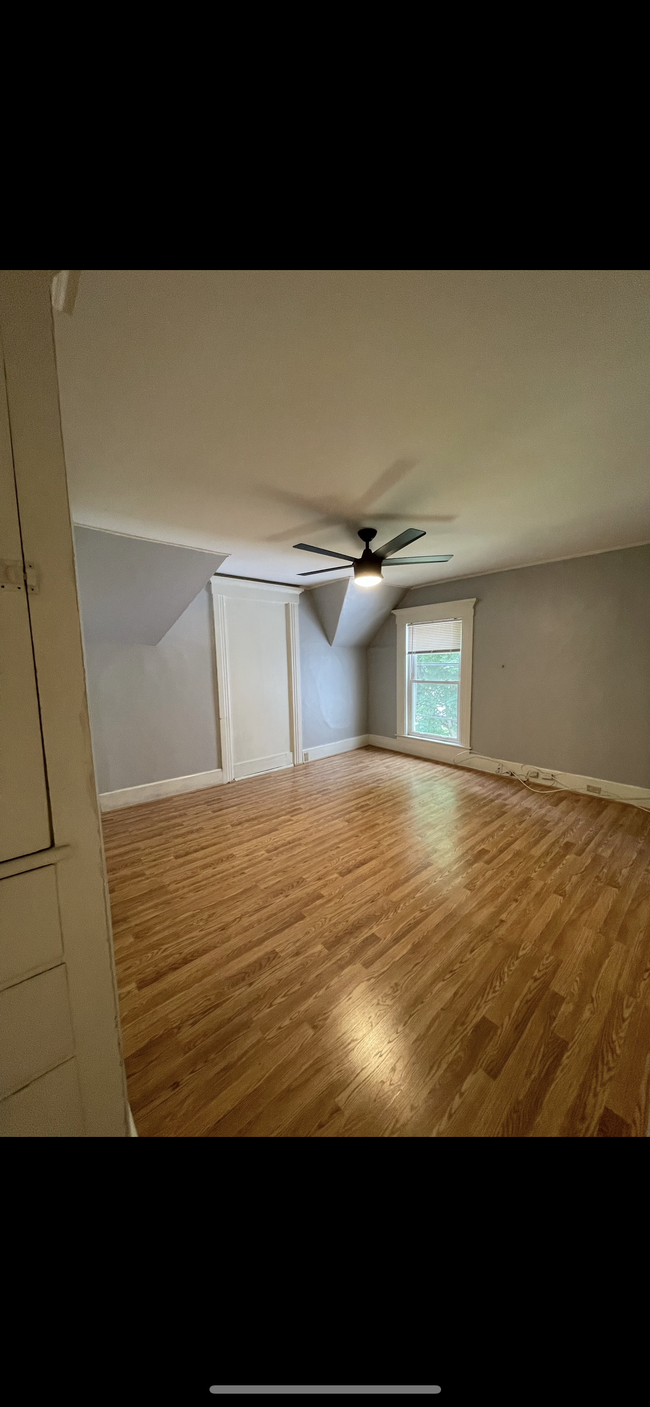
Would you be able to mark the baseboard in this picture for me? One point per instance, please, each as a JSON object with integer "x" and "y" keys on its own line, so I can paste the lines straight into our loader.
{"x": 312, "y": 754}
{"x": 133, "y": 1132}
{"x": 152, "y": 791}
{"x": 418, "y": 747}
{"x": 255, "y": 765}
{"x": 450, "y": 753}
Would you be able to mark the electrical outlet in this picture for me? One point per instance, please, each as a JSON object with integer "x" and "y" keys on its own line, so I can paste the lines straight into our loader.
{"x": 596, "y": 790}
{"x": 499, "y": 769}
{"x": 533, "y": 774}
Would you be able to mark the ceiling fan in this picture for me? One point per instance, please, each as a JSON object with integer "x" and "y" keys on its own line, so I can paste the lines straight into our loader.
{"x": 368, "y": 567}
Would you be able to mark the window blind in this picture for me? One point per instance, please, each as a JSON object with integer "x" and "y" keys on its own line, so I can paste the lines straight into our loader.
{"x": 426, "y": 637}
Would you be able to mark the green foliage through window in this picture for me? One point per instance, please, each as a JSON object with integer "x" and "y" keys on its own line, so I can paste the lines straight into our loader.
{"x": 434, "y": 693}
{"x": 441, "y": 665}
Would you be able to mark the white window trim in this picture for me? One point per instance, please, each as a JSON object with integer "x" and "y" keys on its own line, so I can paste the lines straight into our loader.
{"x": 440, "y": 610}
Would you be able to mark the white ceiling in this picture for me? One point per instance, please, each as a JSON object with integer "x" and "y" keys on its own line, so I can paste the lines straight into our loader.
{"x": 505, "y": 412}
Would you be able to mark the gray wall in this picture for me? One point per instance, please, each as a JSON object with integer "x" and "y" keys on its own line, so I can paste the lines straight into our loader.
{"x": 154, "y": 712}
{"x": 561, "y": 678}
{"x": 561, "y": 671}
{"x": 334, "y": 683}
{"x": 153, "y": 708}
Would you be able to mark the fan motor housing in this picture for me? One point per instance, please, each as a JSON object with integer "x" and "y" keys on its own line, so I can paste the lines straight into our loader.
{"x": 368, "y": 564}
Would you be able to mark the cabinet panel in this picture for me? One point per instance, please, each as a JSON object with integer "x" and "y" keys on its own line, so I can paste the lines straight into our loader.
{"x": 49, "y": 1108}
{"x": 35, "y": 1029}
{"x": 30, "y": 931}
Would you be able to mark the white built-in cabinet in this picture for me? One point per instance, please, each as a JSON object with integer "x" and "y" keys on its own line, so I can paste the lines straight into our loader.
{"x": 258, "y": 676}
{"x": 24, "y": 815}
{"x": 61, "y": 1067}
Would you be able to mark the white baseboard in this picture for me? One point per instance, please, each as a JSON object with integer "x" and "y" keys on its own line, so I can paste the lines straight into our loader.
{"x": 312, "y": 754}
{"x": 152, "y": 791}
{"x": 450, "y": 753}
{"x": 418, "y": 747}
{"x": 255, "y": 765}
{"x": 133, "y": 1132}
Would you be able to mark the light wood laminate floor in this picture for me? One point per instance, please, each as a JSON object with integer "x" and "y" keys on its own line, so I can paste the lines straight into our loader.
{"x": 376, "y": 945}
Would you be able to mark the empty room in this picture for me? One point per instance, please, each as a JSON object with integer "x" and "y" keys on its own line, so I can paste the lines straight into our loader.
{"x": 341, "y": 717}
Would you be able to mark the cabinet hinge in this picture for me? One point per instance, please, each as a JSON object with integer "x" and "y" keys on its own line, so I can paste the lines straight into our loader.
{"x": 32, "y": 578}
{"x": 16, "y": 577}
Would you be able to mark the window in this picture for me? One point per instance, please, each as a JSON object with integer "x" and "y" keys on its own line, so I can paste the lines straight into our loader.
{"x": 434, "y": 652}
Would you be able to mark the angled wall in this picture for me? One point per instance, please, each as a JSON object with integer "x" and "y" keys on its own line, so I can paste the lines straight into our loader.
{"x": 132, "y": 590}
{"x": 153, "y": 708}
{"x": 334, "y": 683}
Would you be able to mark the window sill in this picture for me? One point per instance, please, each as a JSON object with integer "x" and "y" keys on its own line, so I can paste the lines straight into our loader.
{"x": 430, "y": 738}
{"x": 424, "y": 747}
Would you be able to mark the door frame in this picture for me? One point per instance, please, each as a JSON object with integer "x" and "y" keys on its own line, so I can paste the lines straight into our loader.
{"x": 240, "y": 589}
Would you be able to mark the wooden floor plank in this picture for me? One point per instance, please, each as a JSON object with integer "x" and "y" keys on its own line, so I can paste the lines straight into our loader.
{"x": 379, "y": 946}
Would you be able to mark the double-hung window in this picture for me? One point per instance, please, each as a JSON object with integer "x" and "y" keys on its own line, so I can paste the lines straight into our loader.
{"x": 434, "y": 651}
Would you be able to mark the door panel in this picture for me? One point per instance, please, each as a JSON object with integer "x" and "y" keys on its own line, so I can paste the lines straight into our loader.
{"x": 49, "y": 1107}
{"x": 259, "y": 685}
{"x": 35, "y": 1029}
{"x": 30, "y": 928}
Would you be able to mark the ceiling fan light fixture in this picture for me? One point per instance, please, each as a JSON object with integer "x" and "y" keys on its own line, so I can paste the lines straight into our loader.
{"x": 367, "y": 570}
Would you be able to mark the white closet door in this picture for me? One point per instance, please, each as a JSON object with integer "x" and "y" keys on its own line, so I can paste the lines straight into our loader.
{"x": 259, "y": 686}
{"x": 257, "y": 675}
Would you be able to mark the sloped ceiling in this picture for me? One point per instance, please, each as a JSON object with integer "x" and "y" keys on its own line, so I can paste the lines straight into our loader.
{"x": 241, "y": 411}
{"x": 132, "y": 591}
{"x": 328, "y": 601}
{"x": 352, "y": 615}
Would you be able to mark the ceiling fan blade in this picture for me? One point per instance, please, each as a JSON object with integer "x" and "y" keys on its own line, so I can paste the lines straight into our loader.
{"x": 402, "y": 540}
{"x": 408, "y": 561}
{"x": 319, "y": 570}
{"x": 324, "y": 552}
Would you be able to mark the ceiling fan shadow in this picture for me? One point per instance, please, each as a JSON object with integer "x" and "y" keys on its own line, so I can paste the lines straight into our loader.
{"x": 412, "y": 515}
{"x": 337, "y": 512}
